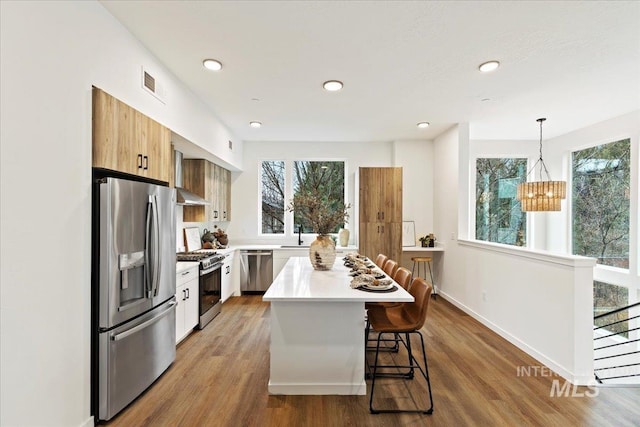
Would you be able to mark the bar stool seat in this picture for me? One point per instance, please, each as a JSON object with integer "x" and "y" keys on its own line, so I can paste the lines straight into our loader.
{"x": 403, "y": 278}
{"x": 424, "y": 261}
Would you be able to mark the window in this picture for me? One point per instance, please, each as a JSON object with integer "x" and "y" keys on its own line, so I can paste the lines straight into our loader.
{"x": 601, "y": 186}
{"x": 325, "y": 177}
{"x": 498, "y": 215}
{"x": 272, "y": 180}
{"x": 606, "y": 298}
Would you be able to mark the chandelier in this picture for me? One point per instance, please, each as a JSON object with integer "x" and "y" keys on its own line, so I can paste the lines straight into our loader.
{"x": 541, "y": 196}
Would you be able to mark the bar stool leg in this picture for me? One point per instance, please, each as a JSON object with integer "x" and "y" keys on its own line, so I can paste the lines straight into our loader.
{"x": 435, "y": 290}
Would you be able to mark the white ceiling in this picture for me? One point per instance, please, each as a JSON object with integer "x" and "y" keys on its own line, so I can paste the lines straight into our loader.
{"x": 574, "y": 62}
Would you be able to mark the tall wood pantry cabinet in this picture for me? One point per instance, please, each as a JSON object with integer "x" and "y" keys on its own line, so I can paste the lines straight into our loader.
{"x": 380, "y": 212}
{"x": 126, "y": 140}
{"x": 212, "y": 183}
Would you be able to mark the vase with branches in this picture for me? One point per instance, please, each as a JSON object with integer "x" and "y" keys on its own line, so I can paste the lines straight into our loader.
{"x": 324, "y": 216}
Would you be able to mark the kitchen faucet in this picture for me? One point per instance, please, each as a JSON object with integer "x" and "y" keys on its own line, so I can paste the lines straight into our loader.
{"x": 300, "y": 241}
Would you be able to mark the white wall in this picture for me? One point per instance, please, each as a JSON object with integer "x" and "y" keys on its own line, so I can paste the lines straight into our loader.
{"x": 539, "y": 301}
{"x": 52, "y": 53}
{"x": 416, "y": 160}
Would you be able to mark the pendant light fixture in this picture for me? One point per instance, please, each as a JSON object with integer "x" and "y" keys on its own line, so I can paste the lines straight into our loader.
{"x": 541, "y": 196}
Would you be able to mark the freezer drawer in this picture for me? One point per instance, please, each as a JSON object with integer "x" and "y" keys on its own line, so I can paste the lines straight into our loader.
{"x": 256, "y": 270}
{"x": 133, "y": 356}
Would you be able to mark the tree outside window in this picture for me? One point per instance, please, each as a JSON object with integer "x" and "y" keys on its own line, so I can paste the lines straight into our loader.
{"x": 272, "y": 180}
{"x": 323, "y": 178}
{"x": 318, "y": 177}
{"x": 601, "y": 184}
{"x": 499, "y": 217}
{"x": 607, "y": 297}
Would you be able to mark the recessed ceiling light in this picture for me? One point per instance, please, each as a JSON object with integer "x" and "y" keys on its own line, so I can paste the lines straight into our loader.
{"x": 488, "y": 66}
{"x": 423, "y": 125}
{"x": 255, "y": 124}
{"x": 332, "y": 85}
{"x": 212, "y": 64}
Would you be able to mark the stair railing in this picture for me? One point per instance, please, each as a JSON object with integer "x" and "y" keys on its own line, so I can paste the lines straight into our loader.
{"x": 611, "y": 355}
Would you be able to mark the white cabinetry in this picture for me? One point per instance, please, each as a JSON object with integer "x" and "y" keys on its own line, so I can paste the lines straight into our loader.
{"x": 280, "y": 258}
{"x": 228, "y": 276}
{"x": 187, "y": 298}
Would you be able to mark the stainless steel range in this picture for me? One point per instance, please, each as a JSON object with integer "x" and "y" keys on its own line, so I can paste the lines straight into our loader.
{"x": 210, "y": 282}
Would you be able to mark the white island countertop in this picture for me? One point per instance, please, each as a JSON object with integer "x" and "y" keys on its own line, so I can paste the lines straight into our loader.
{"x": 298, "y": 281}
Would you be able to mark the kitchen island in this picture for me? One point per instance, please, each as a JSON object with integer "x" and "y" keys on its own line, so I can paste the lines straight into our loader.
{"x": 317, "y": 330}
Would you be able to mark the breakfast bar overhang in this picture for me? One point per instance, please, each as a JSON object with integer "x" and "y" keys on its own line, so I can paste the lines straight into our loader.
{"x": 317, "y": 330}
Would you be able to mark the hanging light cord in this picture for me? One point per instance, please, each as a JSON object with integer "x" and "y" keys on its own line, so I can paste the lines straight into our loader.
{"x": 542, "y": 165}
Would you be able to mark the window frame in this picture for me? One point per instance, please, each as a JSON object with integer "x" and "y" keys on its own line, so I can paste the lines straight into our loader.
{"x": 628, "y": 278}
{"x": 289, "y": 231}
{"x": 259, "y": 203}
{"x": 529, "y": 227}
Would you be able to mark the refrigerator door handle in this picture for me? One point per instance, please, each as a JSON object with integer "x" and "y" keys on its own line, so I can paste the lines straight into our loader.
{"x": 141, "y": 326}
{"x": 156, "y": 253}
{"x": 147, "y": 257}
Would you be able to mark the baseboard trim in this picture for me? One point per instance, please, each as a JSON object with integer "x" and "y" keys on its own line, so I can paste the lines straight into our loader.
{"x": 88, "y": 423}
{"x": 318, "y": 389}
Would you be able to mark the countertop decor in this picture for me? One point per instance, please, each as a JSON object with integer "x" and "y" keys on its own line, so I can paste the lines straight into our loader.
{"x": 324, "y": 216}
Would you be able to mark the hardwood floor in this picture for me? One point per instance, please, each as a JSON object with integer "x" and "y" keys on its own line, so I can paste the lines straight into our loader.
{"x": 221, "y": 373}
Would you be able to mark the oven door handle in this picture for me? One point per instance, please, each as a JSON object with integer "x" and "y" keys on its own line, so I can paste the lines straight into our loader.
{"x": 214, "y": 267}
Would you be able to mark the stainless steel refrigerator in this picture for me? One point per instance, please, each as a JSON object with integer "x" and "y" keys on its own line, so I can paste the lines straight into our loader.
{"x": 133, "y": 289}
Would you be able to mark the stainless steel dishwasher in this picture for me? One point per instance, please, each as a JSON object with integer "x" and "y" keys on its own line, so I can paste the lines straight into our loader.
{"x": 256, "y": 271}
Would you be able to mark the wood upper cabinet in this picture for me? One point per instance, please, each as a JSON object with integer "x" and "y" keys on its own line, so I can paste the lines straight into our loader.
{"x": 223, "y": 186}
{"x": 380, "y": 212}
{"x": 126, "y": 140}
{"x": 196, "y": 177}
{"x": 212, "y": 183}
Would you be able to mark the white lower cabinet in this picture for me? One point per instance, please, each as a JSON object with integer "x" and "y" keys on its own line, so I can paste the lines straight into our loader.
{"x": 228, "y": 276}
{"x": 187, "y": 298}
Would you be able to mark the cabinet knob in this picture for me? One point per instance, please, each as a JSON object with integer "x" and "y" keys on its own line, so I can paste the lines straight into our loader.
{"x": 139, "y": 161}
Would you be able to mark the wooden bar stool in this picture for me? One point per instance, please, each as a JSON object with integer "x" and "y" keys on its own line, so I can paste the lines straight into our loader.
{"x": 424, "y": 261}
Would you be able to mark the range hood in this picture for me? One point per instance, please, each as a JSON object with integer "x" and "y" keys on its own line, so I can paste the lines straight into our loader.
{"x": 185, "y": 197}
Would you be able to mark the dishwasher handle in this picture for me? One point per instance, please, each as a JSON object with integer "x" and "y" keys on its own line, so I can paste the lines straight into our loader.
{"x": 269, "y": 253}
